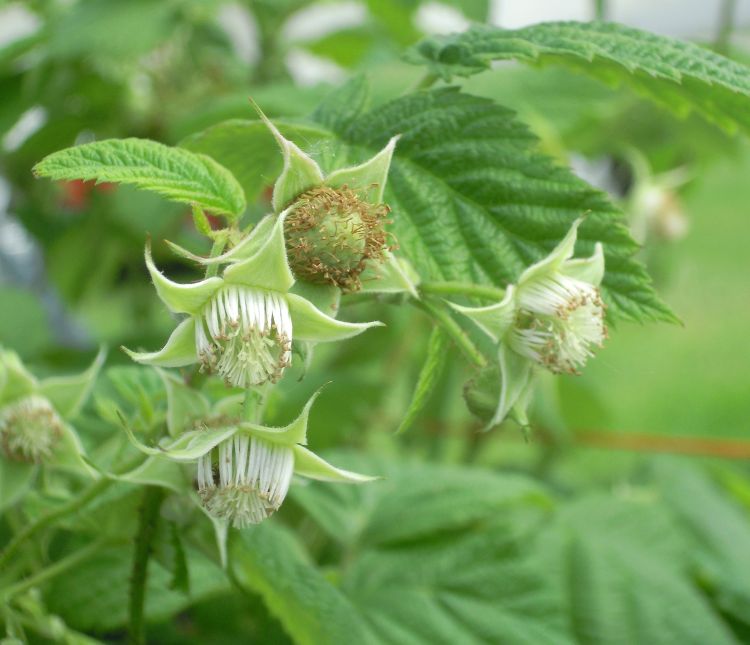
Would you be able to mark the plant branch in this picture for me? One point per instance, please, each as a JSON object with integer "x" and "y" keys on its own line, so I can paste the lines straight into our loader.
{"x": 148, "y": 520}
{"x": 727, "y": 12}
{"x": 75, "y": 504}
{"x": 459, "y": 336}
{"x": 462, "y": 289}
{"x": 52, "y": 571}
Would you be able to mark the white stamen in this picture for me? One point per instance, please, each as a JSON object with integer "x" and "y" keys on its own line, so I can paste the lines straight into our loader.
{"x": 254, "y": 475}
{"x": 561, "y": 321}
{"x": 245, "y": 336}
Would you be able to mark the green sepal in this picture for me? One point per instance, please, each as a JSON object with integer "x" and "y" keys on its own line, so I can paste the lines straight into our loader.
{"x": 292, "y": 434}
{"x": 248, "y": 246}
{"x": 221, "y": 531}
{"x": 554, "y": 261}
{"x": 184, "y": 404}
{"x": 368, "y": 179}
{"x": 515, "y": 377}
{"x": 393, "y": 275}
{"x": 308, "y": 464}
{"x": 494, "y": 320}
{"x": 189, "y": 446}
{"x": 17, "y": 382}
{"x": 67, "y": 394}
{"x": 16, "y": 478}
{"x": 181, "y": 298}
{"x": 325, "y": 297}
{"x": 202, "y": 225}
{"x": 155, "y": 471}
{"x": 178, "y": 351}
{"x": 69, "y": 454}
{"x": 311, "y": 324}
{"x": 268, "y": 268}
{"x": 589, "y": 270}
{"x": 300, "y": 172}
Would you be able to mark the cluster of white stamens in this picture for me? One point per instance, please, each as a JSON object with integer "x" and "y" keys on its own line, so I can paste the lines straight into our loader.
{"x": 245, "y": 479}
{"x": 29, "y": 429}
{"x": 245, "y": 336}
{"x": 560, "y": 322}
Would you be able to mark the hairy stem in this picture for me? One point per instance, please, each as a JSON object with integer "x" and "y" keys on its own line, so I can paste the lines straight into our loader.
{"x": 216, "y": 249}
{"x": 462, "y": 289}
{"x": 93, "y": 491}
{"x": 148, "y": 520}
{"x": 453, "y": 329}
{"x": 52, "y": 571}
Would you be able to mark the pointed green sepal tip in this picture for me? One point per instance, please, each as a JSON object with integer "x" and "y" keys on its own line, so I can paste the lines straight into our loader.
{"x": 589, "y": 269}
{"x": 184, "y": 404}
{"x": 181, "y": 298}
{"x": 299, "y": 173}
{"x": 308, "y": 464}
{"x": 268, "y": 267}
{"x": 69, "y": 393}
{"x": 515, "y": 381}
{"x": 15, "y": 380}
{"x": 311, "y": 324}
{"x": 291, "y": 434}
{"x": 553, "y": 262}
{"x": 494, "y": 320}
{"x": 178, "y": 351}
{"x": 368, "y": 178}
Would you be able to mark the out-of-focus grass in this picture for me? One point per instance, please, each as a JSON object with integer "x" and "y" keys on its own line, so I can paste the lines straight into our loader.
{"x": 692, "y": 380}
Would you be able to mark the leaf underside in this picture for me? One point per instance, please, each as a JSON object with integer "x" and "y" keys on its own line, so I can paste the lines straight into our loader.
{"x": 678, "y": 75}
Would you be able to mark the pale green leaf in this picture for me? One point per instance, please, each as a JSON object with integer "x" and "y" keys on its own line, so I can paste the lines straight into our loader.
{"x": 177, "y": 174}
{"x": 678, "y": 75}
{"x": 429, "y": 375}
{"x": 68, "y": 393}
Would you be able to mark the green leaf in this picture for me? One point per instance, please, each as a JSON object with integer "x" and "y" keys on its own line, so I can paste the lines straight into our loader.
{"x": 434, "y": 558}
{"x": 269, "y": 562}
{"x": 434, "y": 363}
{"x": 624, "y": 564}
{"x": 249, "y": 151}
{"x": 93, "y": 595}
{"x": 474, "y": 200}
{"x": 678, "y": 75}
{"x": 175, "y": 173}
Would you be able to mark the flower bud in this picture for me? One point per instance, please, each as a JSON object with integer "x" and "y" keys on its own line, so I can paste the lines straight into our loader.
{"x": 331, "y": 235}
{"x": 29, "y": 429}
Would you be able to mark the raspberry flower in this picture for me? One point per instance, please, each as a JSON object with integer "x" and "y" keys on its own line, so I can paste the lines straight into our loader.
{"x": 243, "y": 470}
{"x": 241, "y": 325}
{"x": 553, "y": 318}
{"x": 34, "y": 426}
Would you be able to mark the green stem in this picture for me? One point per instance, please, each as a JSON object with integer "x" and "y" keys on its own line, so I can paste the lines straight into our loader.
{"x": 426, "y": 82}
{"x": 459, "y": 336}
{"x": 148, "y": 521}
{"x": 96, "y": 489}
{"x": 248, "y": 406}
{"x": 600, "y": 9}
{"x": 52, "y": 571}
{"x": 462, "y": 289}
{"x": 726, "y": 25}
{"x": 216, "y": 249}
